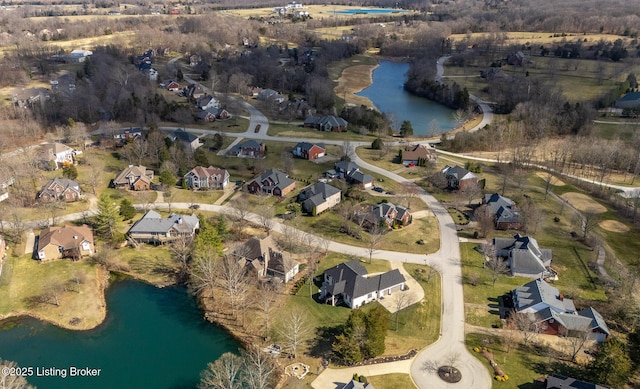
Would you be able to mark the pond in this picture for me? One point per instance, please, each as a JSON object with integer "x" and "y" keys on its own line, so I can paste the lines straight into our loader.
{"x": 152, "y": 338}
{"x": 388, "y": 95}
{"x": 377, "y": 11}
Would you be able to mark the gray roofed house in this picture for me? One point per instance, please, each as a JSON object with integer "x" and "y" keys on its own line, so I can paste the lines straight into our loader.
{"x": 248, "y": 149}
{"x": 392, "y": 215}
{"x": 350, "y": 171}
{"x": 556, "y": 381}
{"x": 524, "y": 256}
{"x": 60, "y": 189}
{"x": 555, "y": 314}
{"x": 272, "y": 182}
{"x": 506, "y": 213}
{"x": 201, "y": 177}
{"x": 263, "y": 258}
{"x": 630, "y": 100}
{"x": 459, "y": 177}
{"x": 326, "y": 123}
{"x": 188, "y": 140}
{"x": 349, "y": 282}
{"x": 153, "y": 228}
{"x": 319, "y": 197}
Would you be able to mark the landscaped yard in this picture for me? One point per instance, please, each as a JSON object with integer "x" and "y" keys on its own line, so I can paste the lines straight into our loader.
{"x": 391, "y": 381}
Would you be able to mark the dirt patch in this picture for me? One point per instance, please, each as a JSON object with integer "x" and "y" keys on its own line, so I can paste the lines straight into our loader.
{"x": 353, "y": 80}
{"x": 583, "y": 203}
{"x": 554, "y": 180}
{"x": 613, "y": 226}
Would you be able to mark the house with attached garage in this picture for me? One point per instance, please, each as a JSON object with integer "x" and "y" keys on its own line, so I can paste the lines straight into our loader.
{"x": 57, "y": 154}
{"x": 189, "y": 141}
{"x": 329, "y": 123}
{"x": 134, "y": 178}
{"x": 272, "y": 182}
{"x": 72, "y": 242}
{"x": 350, "y": 172}
{"x": 505, "y": 212}
{"x": 262, "y": 258}
{"x": 319, "y": 197}
{"x": 418, "y": 155}
{"x": 350, "y": 283}
{"x": 524, "y": 257}
{"x": 309, "y": 151}
{"x": 60, "y": 189}
{"x": 212, "y": 114}
{"x": 153, "y": 228}
{"x": 206, "y": 178}
{"x": 459, "y": 178}
{"x": 248, "y": 149}
{"x": 554, "y": 314}
{"x": 207, "y": 101}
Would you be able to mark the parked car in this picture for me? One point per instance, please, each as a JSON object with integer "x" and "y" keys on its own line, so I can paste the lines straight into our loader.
{"x": 378, "y": 189}
{"x": 390, "y": 193}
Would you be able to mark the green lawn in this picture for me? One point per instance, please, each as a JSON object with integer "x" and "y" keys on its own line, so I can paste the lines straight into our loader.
{"x": 392, "y": 381}
{"x": 294, "y": 130}
{"x": 152, "y": 264}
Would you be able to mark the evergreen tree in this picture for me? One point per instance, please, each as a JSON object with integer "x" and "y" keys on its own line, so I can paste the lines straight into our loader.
{"x": 377, "y": 325}
{"x": 107, "y": 218}
{"x": 127, "y": 211}
{"x": 200, "y": 156}
{"x": 377, "y": 144}
{"x": 167, "y": 179}
{"x": 207, "y": 240}
{"x": 611, "y": 365}
{"x": 70, "y": 172}
{"x": 406, "y": 129}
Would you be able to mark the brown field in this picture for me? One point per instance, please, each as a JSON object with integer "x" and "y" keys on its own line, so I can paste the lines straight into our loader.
{"x": 613, "y": 226}
{"x": 554, "y": 181}
{"x": 353, "y": 80}
{"x": 543, "y": 37}
{"x": 583, "y": 202}
{"x": 316, "y": 11}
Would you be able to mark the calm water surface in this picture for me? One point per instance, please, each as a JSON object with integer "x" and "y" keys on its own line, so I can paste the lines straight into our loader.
{"x": 152, "y": 338}
{"x": 388, "y": 95}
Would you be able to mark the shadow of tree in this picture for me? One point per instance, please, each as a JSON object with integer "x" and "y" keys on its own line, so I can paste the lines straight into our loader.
{"x": 321, "y": 345}
{"x": 37, "y": 300}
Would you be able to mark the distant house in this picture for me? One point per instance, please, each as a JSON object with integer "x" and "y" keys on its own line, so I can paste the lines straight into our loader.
{"x": 272, "y": 182}
{"x": 207, "y": 101}
{"x": 309, "y": 151}
{"x": 65, "y": 242}
{"x": 189, "y": 141}
{"x": 262, "y": 258}
{"x": 555, "y": 314}
{"x": 329, "y": 123}
{"x": 129, "y": 133}
{"x": 248, "y": 149}
{"x": 459, "y": 178}
{"x": 517, "y": 59}
{"x": 350, "y": 172}
{"x": 153, "y": 228}
{"x": 211, "y": 114}
{"x": 60, "y": 189}
{"x": 194, "y": 91}
{"x": 630, "y": 100}
{"x": 415, "y": 154}
{"x": 319, "y": 197}
{"x": 206, "y": 178}
{"x": 173, "y": 86}
{"x": 387, "y": 214}
{"x": 270, "y": 95}
{"x": 134, "y": 178}
{"x": 61, "y": 155}
{"x": 506, "y": 215}
{"x": 524, "y": 256}
{"x": 349, "y": 283}
{"x": 556, "y": 381}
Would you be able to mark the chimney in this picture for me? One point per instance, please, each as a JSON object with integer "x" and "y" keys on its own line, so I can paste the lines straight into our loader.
{"x": 561, "y": 297}
{"x": 75, "y": 237}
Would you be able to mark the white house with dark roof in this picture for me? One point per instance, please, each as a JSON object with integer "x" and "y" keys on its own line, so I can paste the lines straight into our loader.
{"x": 555, "y": 314}
{"x": 201, "y": 177}
{"x": 153, "y": 228}
{"x": 524, "y": 256}
{"x": 350, "y": 283}
{"x": 319, "y": 197}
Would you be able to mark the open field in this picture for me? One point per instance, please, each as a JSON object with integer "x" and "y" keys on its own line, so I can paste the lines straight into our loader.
{"x": 524, "y": 37}
{"x": 353, "y": 80}
{"x": 583, "y": 202}
{"x": 613, "y": 226}
{"x": 316, "y": 11}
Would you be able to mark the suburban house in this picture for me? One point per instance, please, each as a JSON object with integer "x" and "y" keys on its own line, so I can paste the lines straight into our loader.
{"x": 351, "y": 173}
{"x": 206, "y": 178}
{"x": 630, "y": 100}
{"x": 391, "y": 215}
{"x": 459, "y": 178}
{"x": 309, "y": 151}
{"x": 61, "y": 155}
{"x": 173, "y": 86}
{"x": 60, "y": 189}
{"x": 349, "y": 283}
{"x": 272, "y": 182}
{"x": 153, "y": 228}
{"x": 524, "y": 256}
{"x": 134, "y": 178}
{"x": 506, "y": 214}
{"x": 126, "y": 134}
{"x": 329, "y": 123}
{"x": 319, "y": 197}
{"x": 211, "y": 114}
{"x": 194, "y": 91}
{"x": 262, "y": 258}
{"x": 556, "y": 381}
{"x": 418, "y": 155}
{"x": 248, "y": 149}
{"x": 207, "y": 101}
{"x": 189, "y": 141}
{"x": 270, "y": 95}
{"x": 65, "y": 242}
{"x": 555, "y": 314}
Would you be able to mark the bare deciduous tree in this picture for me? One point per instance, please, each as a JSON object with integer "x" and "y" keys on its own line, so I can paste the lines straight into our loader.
{"x": 231, "y": 277}
{"x": 266, "y": 296}
{"x": 576, "y": 339}
{"x": 12, "y": 381}
{"x": 400, "y": 301}
{"x": 224, "y": 373}
{"x": 53, "y": 290}
{"x": 266, "y": 215}
{"x": 259, "y": 368}
{"x": 295, "y": 331}
{"x": 203, "y": 274}
{"x": 181, "y": 250}
{"x": 497, "y": 267}
{"x": 242, "y": 209}
{"x": 526, "y": 325}
{"x": 485, "y": 220}
{"x": 376, "y": 234}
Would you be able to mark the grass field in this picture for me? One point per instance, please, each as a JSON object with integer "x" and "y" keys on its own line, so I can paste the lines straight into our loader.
{"x": 524, "y": 37}
{"x": 391, "y": 381}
